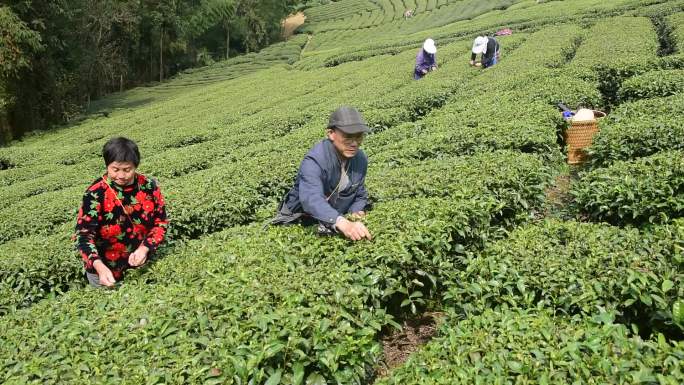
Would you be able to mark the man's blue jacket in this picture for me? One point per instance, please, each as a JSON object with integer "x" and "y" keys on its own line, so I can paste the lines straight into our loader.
{"x": 315, "y": 192}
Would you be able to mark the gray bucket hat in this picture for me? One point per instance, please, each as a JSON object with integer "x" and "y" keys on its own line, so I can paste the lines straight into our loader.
{"x": 348, "y": 120}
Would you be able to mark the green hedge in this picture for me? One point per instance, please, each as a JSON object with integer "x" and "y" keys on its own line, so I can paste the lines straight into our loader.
{"x": 265, "y": 303}
{"x": 576, "y": 268}
{"x": 676, "y": 21}
{"x": 53, "y": 180}
{"x": 536, "y": 347}
{"x": 250, "y": 319}
{"x": 635, "y": 139}
{"x": 638, "y": 129}
{"x": 467, "y": 127}
{"x": 517, "y": 180}
{"x": 652, "y": 84}
{"x": 622, "y": 39}
{"x": 616, "y": 48}
{"x": 39, "y": 214}
{"x": 517, "y": 189}
{"x": 35, "y": 267}
{"x": 646, "y": 190}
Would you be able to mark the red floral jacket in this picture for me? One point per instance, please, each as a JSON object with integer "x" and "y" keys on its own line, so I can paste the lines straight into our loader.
{"x": 105, "y": 232}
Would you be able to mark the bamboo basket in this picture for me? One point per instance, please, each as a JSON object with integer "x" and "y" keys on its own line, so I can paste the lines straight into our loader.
{"x": 579, "y": 136}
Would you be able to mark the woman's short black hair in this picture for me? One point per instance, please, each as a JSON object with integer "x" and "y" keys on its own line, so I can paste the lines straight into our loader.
{"x": 121, "y": 150}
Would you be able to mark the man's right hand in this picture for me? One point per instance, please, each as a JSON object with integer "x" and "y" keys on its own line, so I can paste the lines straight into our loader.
{"x": 352, "y": 230}
{"x": 104, "y": 274}
{"x": 472, "y": 62}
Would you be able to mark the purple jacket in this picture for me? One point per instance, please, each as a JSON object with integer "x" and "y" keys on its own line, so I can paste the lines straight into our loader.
{"x": 424, "y": 61}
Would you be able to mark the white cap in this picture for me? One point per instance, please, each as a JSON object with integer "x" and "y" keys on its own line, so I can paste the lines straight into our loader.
{"x": 584, "y": 114}
{"x": 429, "y": 46}
{"x": 480, "y": 44}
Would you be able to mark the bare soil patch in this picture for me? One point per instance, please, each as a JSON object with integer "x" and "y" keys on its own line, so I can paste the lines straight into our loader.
{"x": 558, "y": 194}
{"x": 400, "y": 344}
{"x": 292, "y": 23}
{"x": 559, "y": 200}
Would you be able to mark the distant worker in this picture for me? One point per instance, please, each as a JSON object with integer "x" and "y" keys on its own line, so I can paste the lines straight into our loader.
{"x": 488, "y": 48}
{"x": 408, "y": 13}
{"x": 426, "y": 60}
{"x": 122, "y": 220}
{"x": 331, "y": 181}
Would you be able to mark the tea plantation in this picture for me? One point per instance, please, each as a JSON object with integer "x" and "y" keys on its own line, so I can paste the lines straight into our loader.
{"x": 467, "y": 221}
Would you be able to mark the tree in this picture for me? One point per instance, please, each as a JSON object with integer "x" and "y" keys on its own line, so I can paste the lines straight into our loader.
{"x": 257, "y": 21}
{"x": 108, "y": 31}
{"x": 17, "y": 45}
{"x": 56, "y": 55}
{"x": 213, "y": 12}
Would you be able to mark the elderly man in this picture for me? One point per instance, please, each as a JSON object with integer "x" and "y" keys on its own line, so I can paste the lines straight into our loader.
{"x": 330, "y": 181}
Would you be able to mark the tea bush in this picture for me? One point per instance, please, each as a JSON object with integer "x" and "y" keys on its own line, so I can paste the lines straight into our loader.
{"x": 676, "y": 21}
{"x": 534, "y": 346}
{"x": 249, "y": 334}
{"x": 652, "y": 84}
{"x": 33, "y": 267}
{"x": 642, "y": 191}
{"x": 460, "y": 162}
{"x": 575, "y": 268}
{"x": 252, "y": 333}
{"x": 638, "y": 129}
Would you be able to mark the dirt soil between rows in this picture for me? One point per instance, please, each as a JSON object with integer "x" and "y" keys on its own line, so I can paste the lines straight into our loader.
{"x": 292, "y": 23}
{"x": 400, "y": 344}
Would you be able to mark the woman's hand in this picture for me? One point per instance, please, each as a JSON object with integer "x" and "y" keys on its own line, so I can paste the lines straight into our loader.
{"x": 104, "y": 275}
{"x": 139, "y": 256}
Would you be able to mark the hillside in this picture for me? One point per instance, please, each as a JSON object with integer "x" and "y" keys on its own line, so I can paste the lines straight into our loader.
{"x": 541, "y": 272}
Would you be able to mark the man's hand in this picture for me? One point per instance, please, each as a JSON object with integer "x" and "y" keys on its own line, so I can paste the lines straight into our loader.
{"x": 139, "y": 256}
{"x": 352, "y": 230}
{"x": 104, "y": 274}
{"x": 358, "y": 215}
{"x": 472, "y": 62}
{"x": 423, "y": 72}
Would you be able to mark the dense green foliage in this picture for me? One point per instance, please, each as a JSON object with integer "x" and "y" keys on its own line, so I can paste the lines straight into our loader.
{"x": 343, "y": 315}
{"x": 677, "y": 23}
{"x": 575, "y": 268}
{"x": 27, "y": 275}
{"x": 461, "y": 165}
{"x": 58, "y": 55}
{"x": 652, "y": 84}
{"x": 17, "y": 42}
{"x": 514, "y": 346}
{"x": 638, "y": 129}
{"x": 646, "y": 190}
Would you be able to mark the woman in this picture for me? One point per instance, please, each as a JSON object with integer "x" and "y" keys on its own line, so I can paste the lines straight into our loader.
{"x": 426, "y": 60}
{"x": 488, "y": 48}
{"x": 122, "y": 220}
